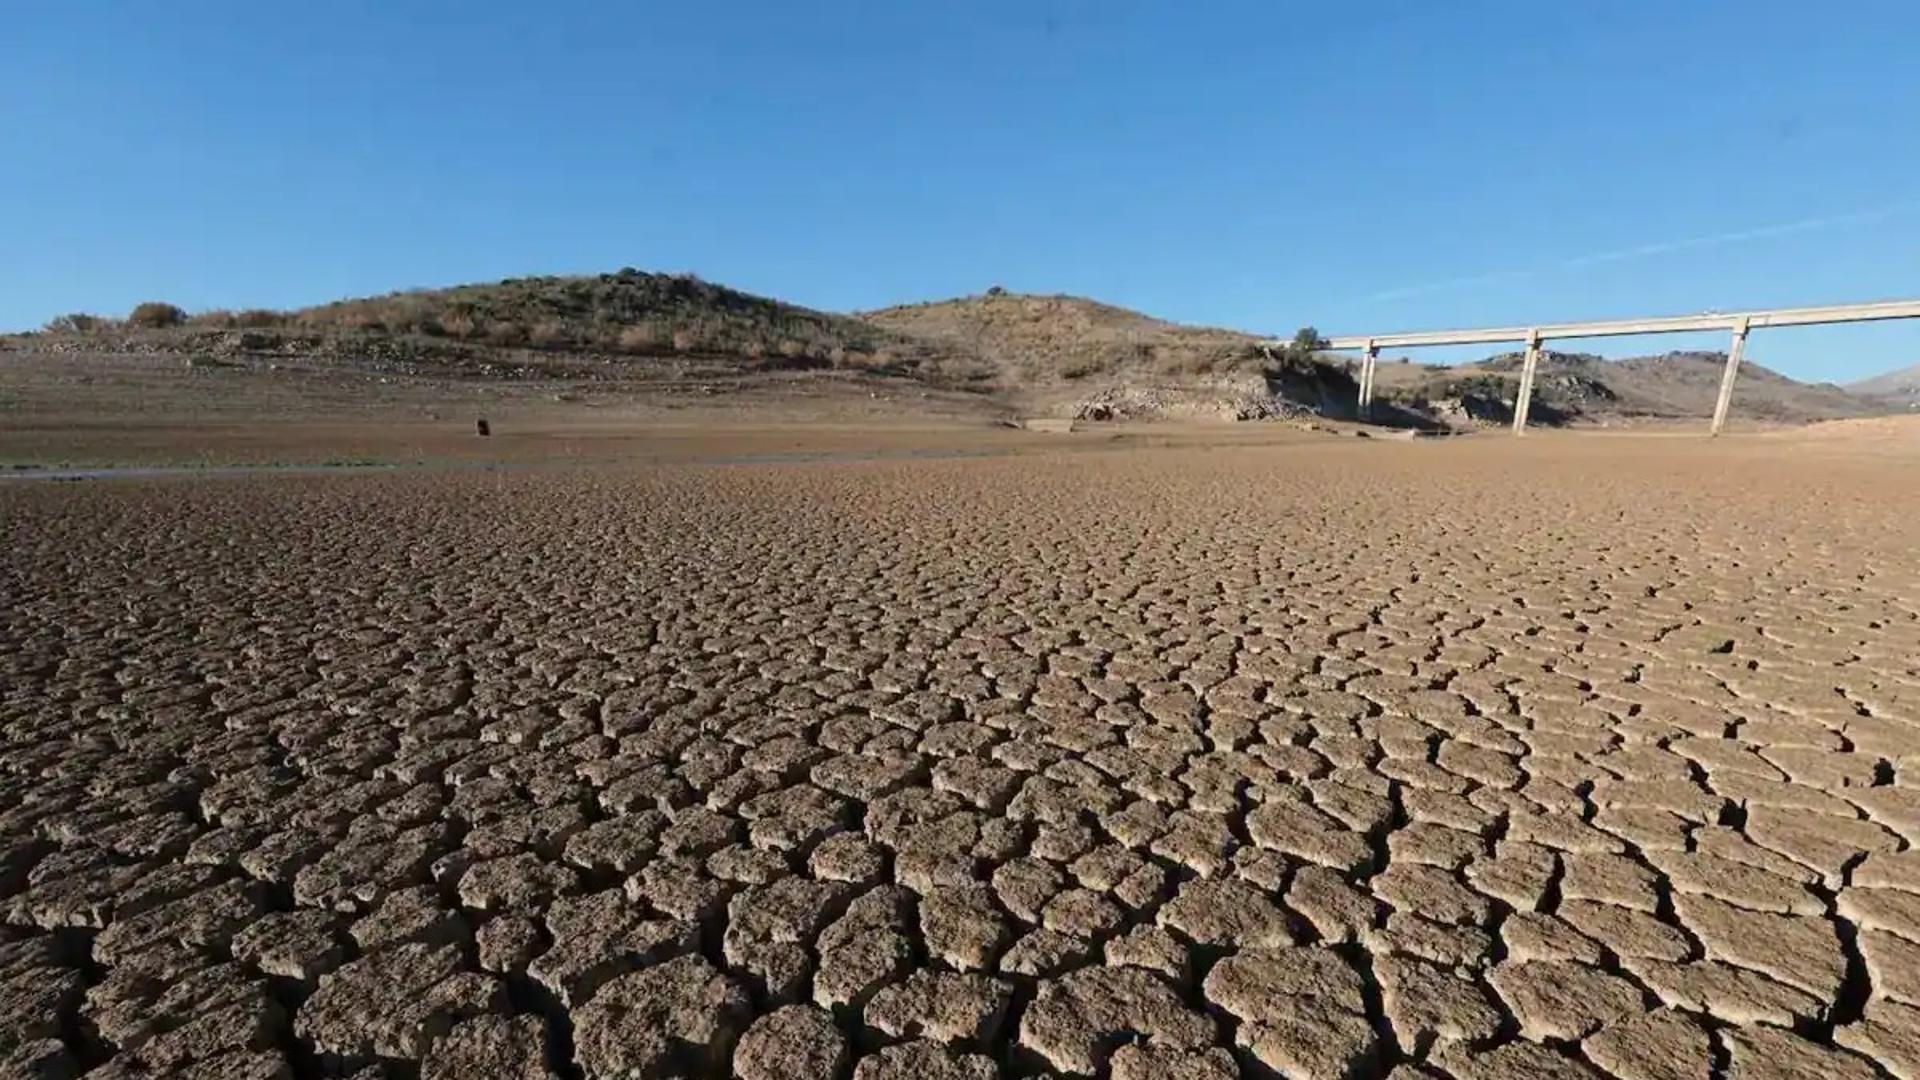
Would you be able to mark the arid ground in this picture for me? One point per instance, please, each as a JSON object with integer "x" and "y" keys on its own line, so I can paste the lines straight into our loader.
{"x": 969, "y": 754}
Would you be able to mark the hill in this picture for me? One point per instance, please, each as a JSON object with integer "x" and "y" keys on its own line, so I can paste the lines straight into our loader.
{"x": 1895, "y": 389}
{"x": 1583, "y": 386}
{"x": 1024, "y": 354}
{"x": 1068, "y": 354}
{"x": 644, "y": 333}
{"x": 629, "y": 316}
{"x": 627, "y": 312}
{"x": 1028, "y": 338}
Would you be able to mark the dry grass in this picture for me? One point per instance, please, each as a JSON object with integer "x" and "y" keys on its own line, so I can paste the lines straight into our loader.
{"x": 629, "y": 312}
{"x": 156, "y": 315}
{"x": 1027, "y": 338}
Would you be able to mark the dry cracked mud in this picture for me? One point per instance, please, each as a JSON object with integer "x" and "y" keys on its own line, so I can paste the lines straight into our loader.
{"x": 1569, "y": 757}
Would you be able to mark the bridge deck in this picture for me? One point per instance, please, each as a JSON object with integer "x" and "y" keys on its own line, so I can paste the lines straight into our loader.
{"x": 1806, "y": 316}
{"x": 1739, "y": 322}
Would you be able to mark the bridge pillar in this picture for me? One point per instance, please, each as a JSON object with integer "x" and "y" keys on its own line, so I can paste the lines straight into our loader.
{"x": 1725, "y": 401}
{"x": 1524, "y": 402}
{"x": 1371, "y": 358}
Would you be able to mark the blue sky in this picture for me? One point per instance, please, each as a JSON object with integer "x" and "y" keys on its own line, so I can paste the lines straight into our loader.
{"x": 1363, "y": 167}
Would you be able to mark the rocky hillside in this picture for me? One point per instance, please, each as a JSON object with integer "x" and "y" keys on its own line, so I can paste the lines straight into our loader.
{"x": 1038, "y": 338}
{"x": 1018, "y": 354}
{"x": 1069, "y": 354}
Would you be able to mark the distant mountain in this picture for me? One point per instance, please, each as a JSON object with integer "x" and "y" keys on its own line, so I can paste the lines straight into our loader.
{"x": 1896, "y": 389}
{"x": 1688, "y": 384}
{"x": 1582, "y": 386}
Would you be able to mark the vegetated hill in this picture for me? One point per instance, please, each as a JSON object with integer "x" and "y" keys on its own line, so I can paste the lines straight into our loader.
{"x": 1067, "y": 353}
{"x": 1027, "y": 354}
{"x": 1582, "y": 386}
{"x": 629, "y": 314}
{"x": 628, "y": 311}
{"x": 1895, "y": 389}
{"x": 1688, "y": 383}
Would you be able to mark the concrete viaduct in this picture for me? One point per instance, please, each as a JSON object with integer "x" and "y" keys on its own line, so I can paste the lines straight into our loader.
{"x": 1739, "y": 323}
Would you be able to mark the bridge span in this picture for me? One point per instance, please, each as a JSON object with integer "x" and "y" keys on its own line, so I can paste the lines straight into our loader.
{"x": 1738, "y": 322}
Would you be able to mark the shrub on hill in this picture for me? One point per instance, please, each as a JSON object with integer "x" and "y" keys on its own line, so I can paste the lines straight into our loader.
{"x": 155, "y": 315}
{"x": 78, "y": 322}
{"x": 628, "y": 311}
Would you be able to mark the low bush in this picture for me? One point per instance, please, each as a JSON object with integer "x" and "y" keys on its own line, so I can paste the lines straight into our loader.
{"x": 549, "y": 335}
{"x": 156, "y": 315}
{"x": 78, "y": 322}
{"x": 644, "y": 337}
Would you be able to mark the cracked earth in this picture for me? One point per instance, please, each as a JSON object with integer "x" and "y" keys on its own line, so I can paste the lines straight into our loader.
{"x": 1570, "y": 757}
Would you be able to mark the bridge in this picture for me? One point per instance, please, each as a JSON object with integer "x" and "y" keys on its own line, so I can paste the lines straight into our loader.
{"x": 1739, "y": 323}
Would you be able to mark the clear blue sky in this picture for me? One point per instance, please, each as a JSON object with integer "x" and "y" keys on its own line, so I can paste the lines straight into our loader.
{"x": 1363, "y": 166}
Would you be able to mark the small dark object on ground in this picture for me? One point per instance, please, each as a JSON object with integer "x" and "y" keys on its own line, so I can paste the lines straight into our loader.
{"x": 481, "y": 428}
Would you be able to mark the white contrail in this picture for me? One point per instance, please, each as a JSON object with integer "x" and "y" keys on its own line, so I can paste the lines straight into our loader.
{"x": 1647, "y": 250}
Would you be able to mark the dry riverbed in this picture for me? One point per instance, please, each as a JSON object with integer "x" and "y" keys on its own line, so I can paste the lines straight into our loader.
{"x": 971, "y": 755}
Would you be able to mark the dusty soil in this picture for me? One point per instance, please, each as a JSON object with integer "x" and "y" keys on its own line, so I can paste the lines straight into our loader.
{"x": 62, "y": 410}
{"x": 1577, "y": 755}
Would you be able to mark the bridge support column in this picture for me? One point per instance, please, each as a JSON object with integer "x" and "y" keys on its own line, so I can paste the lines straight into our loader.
{"x": 1524, "y": 402}
{"x": 1725, "y": 401}
{"x": 1371, "y": 358}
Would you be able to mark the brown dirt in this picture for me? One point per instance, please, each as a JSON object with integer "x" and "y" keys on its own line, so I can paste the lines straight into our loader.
{"x": 957, "y": 751}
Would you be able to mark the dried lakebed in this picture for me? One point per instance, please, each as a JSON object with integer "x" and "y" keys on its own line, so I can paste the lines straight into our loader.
{"x": 1565, "y": 758}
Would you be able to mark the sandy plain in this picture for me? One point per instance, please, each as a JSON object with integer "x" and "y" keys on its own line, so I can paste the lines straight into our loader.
{"x": 938, "y": 752}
